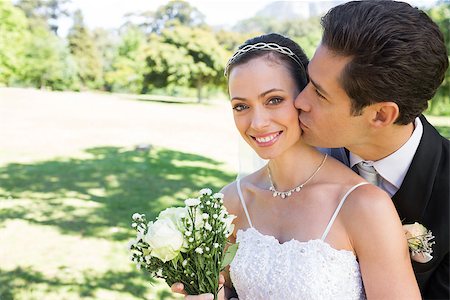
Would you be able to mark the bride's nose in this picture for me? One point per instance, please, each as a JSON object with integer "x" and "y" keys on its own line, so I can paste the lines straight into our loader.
{"x": 260, "y": 119}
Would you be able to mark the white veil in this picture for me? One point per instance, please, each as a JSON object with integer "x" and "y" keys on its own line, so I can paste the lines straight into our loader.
{"x": 249, "y": 161}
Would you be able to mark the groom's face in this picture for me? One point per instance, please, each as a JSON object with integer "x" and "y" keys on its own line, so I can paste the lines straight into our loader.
{"x": 324, "y": 106}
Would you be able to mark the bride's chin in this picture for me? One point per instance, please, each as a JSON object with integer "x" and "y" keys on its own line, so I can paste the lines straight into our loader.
{"x": 263, "y": 155}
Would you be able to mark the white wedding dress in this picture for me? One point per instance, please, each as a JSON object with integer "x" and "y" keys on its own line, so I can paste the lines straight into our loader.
{"x": 265, "y": 269}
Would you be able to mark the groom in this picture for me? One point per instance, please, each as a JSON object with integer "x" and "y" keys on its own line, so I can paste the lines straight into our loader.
{"x": 377, "y": 66}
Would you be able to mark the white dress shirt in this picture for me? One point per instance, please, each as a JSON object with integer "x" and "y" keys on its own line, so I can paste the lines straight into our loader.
{"x": 392, "y": 169}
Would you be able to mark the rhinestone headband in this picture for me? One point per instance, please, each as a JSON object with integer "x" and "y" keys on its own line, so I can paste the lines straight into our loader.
{"x": 264, "y": 46}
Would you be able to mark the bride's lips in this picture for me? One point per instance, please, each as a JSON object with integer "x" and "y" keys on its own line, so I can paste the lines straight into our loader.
{"x": 267, "y": 140}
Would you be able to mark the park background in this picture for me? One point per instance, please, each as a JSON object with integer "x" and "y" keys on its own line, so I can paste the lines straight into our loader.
{"x": 99, "y": 123}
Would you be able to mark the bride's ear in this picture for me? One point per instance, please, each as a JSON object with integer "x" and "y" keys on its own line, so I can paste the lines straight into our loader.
{"x": 384, "y": 114}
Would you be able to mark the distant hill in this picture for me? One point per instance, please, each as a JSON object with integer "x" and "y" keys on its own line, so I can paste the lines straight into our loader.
{"x": 285, "y": 10}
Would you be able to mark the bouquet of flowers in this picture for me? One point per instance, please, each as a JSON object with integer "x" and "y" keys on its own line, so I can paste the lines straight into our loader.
{"x": 419, "y": 242}
{"x": 186, "y": 244}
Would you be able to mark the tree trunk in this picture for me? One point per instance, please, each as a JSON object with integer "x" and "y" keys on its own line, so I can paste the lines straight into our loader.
{"x": 199, "y": 91}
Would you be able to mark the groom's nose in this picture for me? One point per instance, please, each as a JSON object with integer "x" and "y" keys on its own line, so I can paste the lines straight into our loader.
{"x": 301, "y": 102}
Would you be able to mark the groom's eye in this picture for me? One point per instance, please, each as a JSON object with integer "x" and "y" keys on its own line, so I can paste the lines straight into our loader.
{"x": 319, "y": 94}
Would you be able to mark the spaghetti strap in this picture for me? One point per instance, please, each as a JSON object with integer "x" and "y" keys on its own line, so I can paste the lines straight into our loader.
{"x": 241, "y": 197}
{"x": 338, "y": 208}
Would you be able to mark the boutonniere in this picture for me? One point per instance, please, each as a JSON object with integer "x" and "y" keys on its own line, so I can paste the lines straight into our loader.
{"x": 419, "y": 242}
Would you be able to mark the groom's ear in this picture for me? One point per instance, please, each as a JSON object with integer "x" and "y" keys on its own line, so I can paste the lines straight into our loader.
{"x": 384, "y": 114}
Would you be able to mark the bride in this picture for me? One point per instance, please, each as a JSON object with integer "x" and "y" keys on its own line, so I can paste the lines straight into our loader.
{"x": 307, "y": 226}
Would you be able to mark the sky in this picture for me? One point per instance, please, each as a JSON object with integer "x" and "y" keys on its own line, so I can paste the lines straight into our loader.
{"x": 109, "y": 13}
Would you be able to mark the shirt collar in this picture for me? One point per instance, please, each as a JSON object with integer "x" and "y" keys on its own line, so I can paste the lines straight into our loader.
{"x": 393, "y": 168}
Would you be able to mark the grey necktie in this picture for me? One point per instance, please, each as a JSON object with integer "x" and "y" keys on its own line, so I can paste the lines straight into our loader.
{"x": 368, "y": 172}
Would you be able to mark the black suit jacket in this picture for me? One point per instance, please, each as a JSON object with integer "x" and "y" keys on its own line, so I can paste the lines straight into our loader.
{"x": 424, "y": 197}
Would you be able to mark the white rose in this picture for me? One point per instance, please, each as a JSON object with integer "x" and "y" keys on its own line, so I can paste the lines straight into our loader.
{"x": 164, "y": 239}
{"x": 175, "y": 214}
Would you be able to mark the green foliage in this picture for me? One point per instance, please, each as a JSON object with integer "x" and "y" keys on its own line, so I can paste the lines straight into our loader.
{"x": 440, "y": 105}
{"x": 307, "y": 33}
{"x": 230, "y": 40}
{"x": 13, "y": 38}
{"x": 48, "y": 62}
{"x": 184, "y": 56}
{"x": 45, "y": 11}
{"x": 127, "y": 62}
{"x": 170, "y": 49}
{"x": 86, "y": 55}
{"x": 176, "y": 13}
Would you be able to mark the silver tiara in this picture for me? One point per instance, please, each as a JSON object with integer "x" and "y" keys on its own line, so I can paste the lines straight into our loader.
{"x": 264, "y": 46}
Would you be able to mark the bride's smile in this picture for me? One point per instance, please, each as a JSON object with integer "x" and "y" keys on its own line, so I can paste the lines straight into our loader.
{"x": 267, "y": 139}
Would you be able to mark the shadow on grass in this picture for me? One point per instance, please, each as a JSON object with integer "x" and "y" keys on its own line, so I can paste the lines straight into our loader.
{"x": 20, "y": 280}
{"x": 96, "y": 196}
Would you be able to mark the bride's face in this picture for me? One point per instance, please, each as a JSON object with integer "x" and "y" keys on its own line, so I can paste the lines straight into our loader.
{"x": 262, "y": 94}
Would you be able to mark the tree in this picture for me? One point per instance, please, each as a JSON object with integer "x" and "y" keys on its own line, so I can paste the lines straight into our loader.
{"x": 45, "y": 11}
{"x": 185, "y": 56}
{"x": 441, "y": 15}
{"x": 128, "y": 62}
{"x": 86, "y": 55}
{"x": 307, "y": 33}
{"x": 175, "y": 13}
{"x": 48, "y": 62}
{"x": 13, "y": 37}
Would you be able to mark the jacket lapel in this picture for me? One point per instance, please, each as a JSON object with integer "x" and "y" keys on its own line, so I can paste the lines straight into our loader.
{"x": 412, "y": 198}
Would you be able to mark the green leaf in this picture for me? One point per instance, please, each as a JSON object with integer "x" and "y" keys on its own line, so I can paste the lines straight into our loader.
{"x": 229, "y": 255}
{"x": 175, "y": 261}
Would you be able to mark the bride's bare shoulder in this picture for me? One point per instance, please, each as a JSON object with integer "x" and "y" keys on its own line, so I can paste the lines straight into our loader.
{"x": 368, "y": 204}
{"x": 247, "y": 186}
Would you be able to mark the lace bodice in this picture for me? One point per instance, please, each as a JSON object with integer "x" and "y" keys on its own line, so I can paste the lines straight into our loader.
{"x": 265, "y": 269}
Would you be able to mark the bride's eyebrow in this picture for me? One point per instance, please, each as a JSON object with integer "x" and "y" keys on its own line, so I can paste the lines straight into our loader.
{"x": 270, "y": 91}
{"x": 238, "y": 98}
{"x": 262, "y": 95}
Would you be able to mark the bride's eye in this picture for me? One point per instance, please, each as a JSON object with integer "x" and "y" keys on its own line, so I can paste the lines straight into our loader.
{"x": 240, "y": 107}
{"x": 275, "y": 101}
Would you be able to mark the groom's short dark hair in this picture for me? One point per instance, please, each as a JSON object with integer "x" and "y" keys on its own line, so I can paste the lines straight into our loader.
{"x": 397, "y": 54}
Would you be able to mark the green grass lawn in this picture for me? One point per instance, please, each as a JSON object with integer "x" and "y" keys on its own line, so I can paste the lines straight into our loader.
{"x": 65, "y": 223}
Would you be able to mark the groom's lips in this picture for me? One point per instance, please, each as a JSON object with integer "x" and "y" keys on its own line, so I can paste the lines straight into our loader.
{"x": 302, "y": 125}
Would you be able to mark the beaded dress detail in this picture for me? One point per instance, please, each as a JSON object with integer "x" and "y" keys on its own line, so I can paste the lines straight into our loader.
{"x": 265, "y": 269}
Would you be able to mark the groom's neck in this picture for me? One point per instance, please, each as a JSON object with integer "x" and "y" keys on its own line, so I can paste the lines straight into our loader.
{"x": 383, "y": 142}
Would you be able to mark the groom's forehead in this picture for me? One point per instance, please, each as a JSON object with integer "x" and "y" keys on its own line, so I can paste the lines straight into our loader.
{"x": 326, "y": 67}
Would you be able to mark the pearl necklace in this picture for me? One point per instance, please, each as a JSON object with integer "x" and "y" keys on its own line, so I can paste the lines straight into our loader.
{"x": 298, "y": 188}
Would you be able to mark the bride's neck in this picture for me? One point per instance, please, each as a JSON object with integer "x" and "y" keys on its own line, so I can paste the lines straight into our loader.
{"x": 294, "y": 166}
